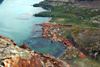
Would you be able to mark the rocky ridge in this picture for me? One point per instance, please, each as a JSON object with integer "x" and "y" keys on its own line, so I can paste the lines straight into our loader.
{"x": 83, "y": 3}
{"x": 22, "y": 56}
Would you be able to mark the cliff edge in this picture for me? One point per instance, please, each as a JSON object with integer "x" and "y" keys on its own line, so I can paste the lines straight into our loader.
{"x": 22, "y": 56}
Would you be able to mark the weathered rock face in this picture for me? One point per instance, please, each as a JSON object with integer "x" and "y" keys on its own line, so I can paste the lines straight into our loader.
{"x": 16, "y": 61}
{"x": 7, "y": 39}
{"x": 88, "y": 41}
{"x": 14, "y": 56}
{"x": 88, "y": 3}
{"x": 25, "y": 46}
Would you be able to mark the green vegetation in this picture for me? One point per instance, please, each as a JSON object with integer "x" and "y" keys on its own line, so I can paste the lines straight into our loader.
{"x": 85, "y": 30}
{"x": 71, "y": 15}
{"x": 83, "y": 62}
{"x": 67, "y": 32}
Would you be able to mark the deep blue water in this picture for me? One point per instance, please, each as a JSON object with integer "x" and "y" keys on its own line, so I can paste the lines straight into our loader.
{"x": 18, "y": 23}
{"x": 1, "y": 2}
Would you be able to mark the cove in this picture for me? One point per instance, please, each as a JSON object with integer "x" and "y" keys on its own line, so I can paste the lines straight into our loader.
{"x": 18, "y": 23}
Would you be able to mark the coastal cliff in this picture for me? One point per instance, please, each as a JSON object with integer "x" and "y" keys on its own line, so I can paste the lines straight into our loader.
{"x": 22, "y": 56}
{"x": 75, "y": 27}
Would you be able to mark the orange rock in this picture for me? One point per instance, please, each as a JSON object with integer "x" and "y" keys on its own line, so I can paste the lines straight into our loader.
{"x": 35, "y": 62}
{"x": 55, "y": 32}
{"x": 49, "y": 35}
{"x": 6, "y": 39}
{"x": 25, "y": 46}
{"x": 69, "y": 48}
{"x": 69, "y": 57}
{"x": 55, "y": 36}
{"x": 81, "y": 55}
{"x": 74, "y": 51}
{"x": 16, "y": 61}
{"x": 70, "y": 44}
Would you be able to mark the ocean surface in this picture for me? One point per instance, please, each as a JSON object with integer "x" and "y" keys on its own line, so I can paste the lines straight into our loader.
{"x": 18, "y": 23}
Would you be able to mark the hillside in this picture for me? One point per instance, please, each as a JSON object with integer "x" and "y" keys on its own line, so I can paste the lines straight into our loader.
{"x": 84, "y": 33}
{"x": 88, "y": 3}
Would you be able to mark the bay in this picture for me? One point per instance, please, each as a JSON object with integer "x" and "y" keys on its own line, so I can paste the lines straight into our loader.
{"x": 18, "y": 23}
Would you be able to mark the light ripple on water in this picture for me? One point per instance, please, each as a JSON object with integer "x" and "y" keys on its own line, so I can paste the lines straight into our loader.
{"x": 18, "y": 23}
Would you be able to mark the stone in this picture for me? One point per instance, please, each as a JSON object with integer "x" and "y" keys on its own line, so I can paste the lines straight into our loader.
{"x": 25, "y": 46}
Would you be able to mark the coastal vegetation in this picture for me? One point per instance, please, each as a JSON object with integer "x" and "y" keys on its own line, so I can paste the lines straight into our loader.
{"x": 83, "y": 35}
{"x": 71, "y": 14}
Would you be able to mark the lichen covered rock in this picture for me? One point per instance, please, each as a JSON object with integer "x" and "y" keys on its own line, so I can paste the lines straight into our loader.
{"x": 14, "y": 56}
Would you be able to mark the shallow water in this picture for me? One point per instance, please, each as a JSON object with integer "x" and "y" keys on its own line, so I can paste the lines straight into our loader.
{"x": 18, "y": 23}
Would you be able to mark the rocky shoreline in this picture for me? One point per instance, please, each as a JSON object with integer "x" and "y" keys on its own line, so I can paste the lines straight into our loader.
{"x": 80, "y": 17}
{"x": 22, "y": 56}
{"x": 51, "y": 31}
{"x": 48, "y": 27}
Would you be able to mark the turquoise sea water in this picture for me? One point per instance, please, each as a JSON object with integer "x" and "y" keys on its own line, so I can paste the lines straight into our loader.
{"x": 1, "y": 2}
{"x": 18, "y": 23}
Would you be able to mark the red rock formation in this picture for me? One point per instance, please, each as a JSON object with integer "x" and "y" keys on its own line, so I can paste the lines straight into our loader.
{"x": 81, "y": 55}
{"x": 35, "y": 62}
{"x": 16, "y": 61}
{"x": 13, "y": 42}
{"x": 1, "y": 36}
{"x": 27, "y": 58}
{"x": 23, "y": 63}
{"x": 38, "y": 60}
{"x": 7, "y": 39}
{"x": 25, "y": 46}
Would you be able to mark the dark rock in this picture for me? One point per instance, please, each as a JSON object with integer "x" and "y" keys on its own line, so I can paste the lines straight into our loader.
{"x": 25, "y": 46}
{"x": 13, "y": 42}
{"x": 73, "y": 42}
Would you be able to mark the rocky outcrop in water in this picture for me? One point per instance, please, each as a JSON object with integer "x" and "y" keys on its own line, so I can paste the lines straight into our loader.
{"x": 14, "y": 56}
{"x": 25, "y": 46}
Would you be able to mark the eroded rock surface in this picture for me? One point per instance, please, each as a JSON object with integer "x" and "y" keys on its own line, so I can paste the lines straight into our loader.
{"x": 14, "y": 56}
